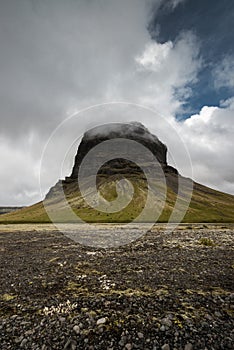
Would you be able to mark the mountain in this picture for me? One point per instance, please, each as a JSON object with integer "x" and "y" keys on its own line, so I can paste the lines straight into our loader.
{"x": 5, "y": 210}
{"x": 119, "y": 154}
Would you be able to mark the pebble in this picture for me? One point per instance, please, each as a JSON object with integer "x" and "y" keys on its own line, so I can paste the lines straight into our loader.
{"x": 140, "y": 335}
{"x": 67, "y": 345}
{"x": 188, "y": 346}
{"x": 218, "y": 314}
{"x": 166, "y": 322}
{"x": 76, "y": 329}
{"x": 19, "y": 339}
{"x": 166, "y": 347}
{"x": 29, "y": 332}
{"x": 23, "y": 343}
{"x": 128, "y": 346}
{"x": 13, "y": 317}
{"x": 101, "y": 321}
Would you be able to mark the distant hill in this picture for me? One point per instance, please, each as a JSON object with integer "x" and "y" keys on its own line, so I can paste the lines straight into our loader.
{"x": 5, "y": 210}
{"x": 207, "y": 205}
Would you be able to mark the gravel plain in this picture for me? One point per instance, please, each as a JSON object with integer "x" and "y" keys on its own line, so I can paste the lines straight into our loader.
{"x": 163, "y": 291}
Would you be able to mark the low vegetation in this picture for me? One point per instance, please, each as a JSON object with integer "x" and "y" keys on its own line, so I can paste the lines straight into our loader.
{"x": 206, "y": 206}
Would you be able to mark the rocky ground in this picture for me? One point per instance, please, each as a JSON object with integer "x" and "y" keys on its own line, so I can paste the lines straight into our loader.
{"x": 163, "y": 291}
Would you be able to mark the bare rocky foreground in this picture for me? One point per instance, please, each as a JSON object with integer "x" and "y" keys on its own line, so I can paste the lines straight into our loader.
{"x": 163, "y": 291}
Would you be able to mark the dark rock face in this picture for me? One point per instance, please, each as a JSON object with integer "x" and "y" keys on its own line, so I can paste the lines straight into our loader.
{"x": 131, "y": 131}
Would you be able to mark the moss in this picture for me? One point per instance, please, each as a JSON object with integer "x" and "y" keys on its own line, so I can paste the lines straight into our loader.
{"x": 8, "y": 297}
{"x": 178, "y": 323}
{"x": 208, "y": 242}
{"x": 54, "y": 259}
{"x": 73, "y": 286}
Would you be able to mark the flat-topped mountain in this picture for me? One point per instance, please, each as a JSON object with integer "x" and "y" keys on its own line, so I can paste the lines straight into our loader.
{"x": 132, "y": 131}
{"x": 207, "y": 205}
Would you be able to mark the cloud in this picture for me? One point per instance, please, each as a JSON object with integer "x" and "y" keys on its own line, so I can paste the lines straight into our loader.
{"x": 209, "y": 138}
{"x": 154, "y": 56}
{"x": 170, "y": 69}
{"x": 57, "y": 54}
{"x": 224, "y": 73}
{"x": 18, "y": 173}
{"x": 175, "y": 3}
{"x": 60, "y": 56}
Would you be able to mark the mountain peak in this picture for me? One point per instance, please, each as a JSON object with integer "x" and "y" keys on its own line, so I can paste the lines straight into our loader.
{"x": 131, "y": 131}
{"x": 119, "y": 129}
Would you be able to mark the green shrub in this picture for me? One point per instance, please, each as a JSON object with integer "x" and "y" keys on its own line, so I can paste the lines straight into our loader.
{"x": 208, "y": 242}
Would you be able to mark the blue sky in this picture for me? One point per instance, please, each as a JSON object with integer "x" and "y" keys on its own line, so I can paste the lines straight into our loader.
{"x": 212, "y": 22}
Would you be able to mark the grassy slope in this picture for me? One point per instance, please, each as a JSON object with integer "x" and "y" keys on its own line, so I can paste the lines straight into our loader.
{"x": 207, "y": 205}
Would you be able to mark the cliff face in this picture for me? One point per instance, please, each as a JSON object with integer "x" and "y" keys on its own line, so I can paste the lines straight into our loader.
{"x": 131, "y": 131}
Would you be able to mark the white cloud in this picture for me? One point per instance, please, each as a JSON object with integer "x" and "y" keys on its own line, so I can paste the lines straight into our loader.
{"x": 172, "y": 65}
{"x": 224, "y": 73}
{"x": 18, "y": 173}
{"x": 154, "y": 56}
{"x": 201, "y": 119}
{"x": 209, "y": 138}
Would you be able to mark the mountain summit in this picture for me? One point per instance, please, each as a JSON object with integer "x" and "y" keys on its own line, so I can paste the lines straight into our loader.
{"x": 131, "y": 131}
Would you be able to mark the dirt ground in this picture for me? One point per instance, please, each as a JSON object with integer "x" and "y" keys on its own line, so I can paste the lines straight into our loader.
{"x": 162, "y": 291}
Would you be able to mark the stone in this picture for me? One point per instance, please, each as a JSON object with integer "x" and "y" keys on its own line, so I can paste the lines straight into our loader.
{"x": 76, "y": 329}
{"x": 68, "y": 344}
{"x": 140, "y": 335}
{"x": 13, "y": 317}
{"x": 166, "y": 347}
{"x": 101, "y": 321}
{"x": 166, "y": 322}
{"x": 19, "y": 339}
{"x": 23, "y": 343}
{"x": 218, "y": 314}
{"x": 188, "y": 346}
{"x": 128, "y": 346}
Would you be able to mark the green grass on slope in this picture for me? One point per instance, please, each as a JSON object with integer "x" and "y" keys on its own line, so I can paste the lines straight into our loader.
{"x": 207, "y": 205}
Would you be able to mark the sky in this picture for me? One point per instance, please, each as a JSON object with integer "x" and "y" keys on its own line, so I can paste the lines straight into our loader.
{"x": 59, "y": 57}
